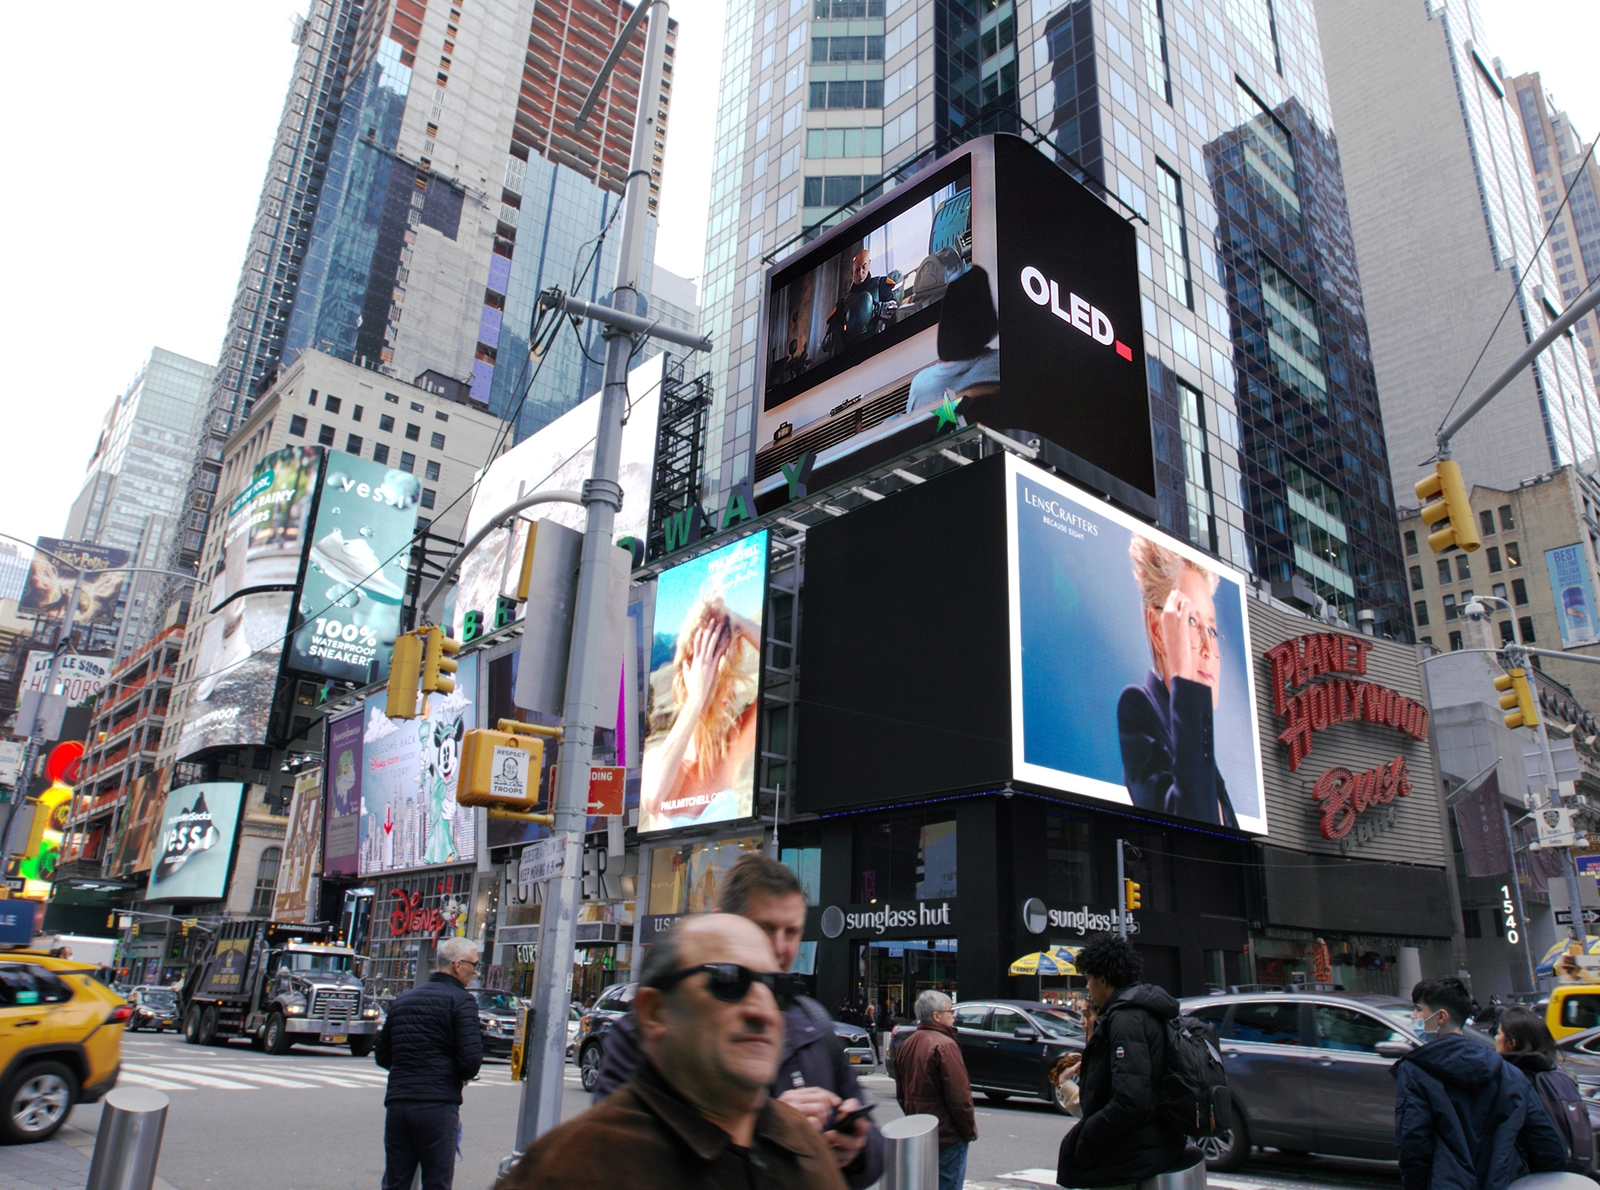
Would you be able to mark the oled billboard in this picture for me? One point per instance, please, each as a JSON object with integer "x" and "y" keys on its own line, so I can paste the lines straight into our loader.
{"x": 989, "y": 288}
{"x": 266, "y": 525}
{"x": 341, "y": 817}
{"x": 236, "y": 673}
{"x": 704, "y": 698}
{"x": 194, "y": 844}
{"x": 93, "y": 567}
{"x": 355, "y": 578}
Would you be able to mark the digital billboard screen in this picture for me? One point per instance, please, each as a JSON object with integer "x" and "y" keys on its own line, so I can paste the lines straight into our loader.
{"x": 409, "y": 814}
{"x": 236, "y": 673}
{"x": 341, "y": 840}
{"x": 135, "y": 841}
{"x": 266, "y": 525}
{"x": 91, "y": 566}
{"x": 194, "y": 843}
{"x": 1130, "y": 660}
{"x": 704, "y": 698}
{"x": 355, "y": 578}
{"x": 295, "y": 899}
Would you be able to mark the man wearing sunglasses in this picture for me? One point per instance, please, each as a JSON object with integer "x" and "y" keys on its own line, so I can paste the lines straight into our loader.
{"x": 696, "y": 1114}
{"x": 813, "y": 1077}
{"x": 432, "y": 1047}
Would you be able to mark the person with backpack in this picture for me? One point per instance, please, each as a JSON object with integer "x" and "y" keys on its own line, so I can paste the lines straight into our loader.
{"x": 1524, "y": 1040}
{"x": 1464, "y": 1118}
{"x": 1124, "y": 1136}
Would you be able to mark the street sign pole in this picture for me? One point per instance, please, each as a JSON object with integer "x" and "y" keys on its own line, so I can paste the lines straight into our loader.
{"x": 602, "y": 497}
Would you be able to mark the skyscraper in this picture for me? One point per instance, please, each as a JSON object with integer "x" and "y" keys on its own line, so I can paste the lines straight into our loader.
{"x": 1203, "y": 121}
{"x": 1447, "y": 222}
{"x": 132, "y": 494}
{"x": 1562, "y": 160}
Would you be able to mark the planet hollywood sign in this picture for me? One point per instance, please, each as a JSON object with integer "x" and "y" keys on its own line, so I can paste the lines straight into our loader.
{"x": 1317, "y": 683}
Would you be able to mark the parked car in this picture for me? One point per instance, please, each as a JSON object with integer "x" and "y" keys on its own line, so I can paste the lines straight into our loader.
{"x": 1010, "y": 1047}
{"x": 153, "y": 1008}
{"x": 497, "y": 1021}
{"x": 60, "y": 1042}
{"x": 615, "y": 1001}
{"x": 574, "y": 1015}
{"x": 857, "y": 1042}
{"x": 1309, "y": 1072}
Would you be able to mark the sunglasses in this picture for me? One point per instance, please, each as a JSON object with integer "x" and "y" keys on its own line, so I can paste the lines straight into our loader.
{"x": 728, "y": 982}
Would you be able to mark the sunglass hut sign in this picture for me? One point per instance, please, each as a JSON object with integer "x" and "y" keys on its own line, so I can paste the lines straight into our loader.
{"x": 887, "y": 919}
{"x": 1317, "y": 683}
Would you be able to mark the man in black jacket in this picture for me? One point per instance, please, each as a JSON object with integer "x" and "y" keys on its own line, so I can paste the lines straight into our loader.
{"x": 1122, "y": 1137}
{"x": 431, "y": 1046}
{"x": 814, "y": 1077}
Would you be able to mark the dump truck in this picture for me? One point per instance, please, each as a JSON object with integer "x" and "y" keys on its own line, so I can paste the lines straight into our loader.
{"x": 277, "y": 985}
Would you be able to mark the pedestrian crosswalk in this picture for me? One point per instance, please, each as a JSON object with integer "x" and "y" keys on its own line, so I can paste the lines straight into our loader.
{"x": 169, "y": 1067}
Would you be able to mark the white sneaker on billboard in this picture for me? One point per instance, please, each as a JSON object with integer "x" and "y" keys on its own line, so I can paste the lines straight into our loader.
{"x": 353, "y": 563}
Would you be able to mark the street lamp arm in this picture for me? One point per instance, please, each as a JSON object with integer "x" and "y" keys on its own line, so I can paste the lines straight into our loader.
{"x": 37, "y": 548}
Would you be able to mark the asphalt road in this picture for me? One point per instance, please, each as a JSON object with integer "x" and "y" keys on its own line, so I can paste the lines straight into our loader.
{"x": 313, "y": 1120}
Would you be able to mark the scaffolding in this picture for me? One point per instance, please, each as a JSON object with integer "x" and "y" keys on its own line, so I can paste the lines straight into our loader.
{"x": 680, "y": 452}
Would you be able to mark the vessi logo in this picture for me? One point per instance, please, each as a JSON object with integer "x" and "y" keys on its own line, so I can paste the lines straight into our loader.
{"x": 1091, "y": 320}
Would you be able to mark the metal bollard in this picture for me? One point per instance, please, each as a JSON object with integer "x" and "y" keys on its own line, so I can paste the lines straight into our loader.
{"x": 128, "y": 1144}
{"x": 912, "y": 1159}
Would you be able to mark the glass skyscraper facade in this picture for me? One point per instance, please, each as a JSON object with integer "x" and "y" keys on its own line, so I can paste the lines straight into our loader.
{"x": 1204, "y": 121}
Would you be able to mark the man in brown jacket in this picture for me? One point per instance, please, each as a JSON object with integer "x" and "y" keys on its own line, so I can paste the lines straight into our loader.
{"x": 931, "y": 1077}
{"x": 695, "y": 1115}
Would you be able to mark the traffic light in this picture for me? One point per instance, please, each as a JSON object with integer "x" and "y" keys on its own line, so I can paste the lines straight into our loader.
{"x": 404, "y": 670}
{"x": 438, "y": 658}
{"x": 1451, "y": 504}
{"x": 1517, "y": 699}
{"x": 1132, "y": 894}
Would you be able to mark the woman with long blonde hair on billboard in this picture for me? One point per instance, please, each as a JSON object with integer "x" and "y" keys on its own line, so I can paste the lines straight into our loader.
{"x": 1169, "y": 757}
{"x": 700, "y": 757}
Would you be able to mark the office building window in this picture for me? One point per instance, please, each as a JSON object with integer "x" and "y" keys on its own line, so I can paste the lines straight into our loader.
{"x": 850, "y": 95}
{"x": 1269, "y": 156}
{"x": 1486, "y": 519}
{"x": 1174, "y": 235}
{"x": 1513, "y": 555}
{"x": 1472, "y": 924}
{"x": 355, "y": 414}
{"x": 1455, "y": 642}
{"x": 1519, "y": 591}
{"x": 418, "y": 407}
{"x": 1158, "y": 70}
{"x": 1293, "y": 341}
{"x": 408, "y": 462}
{"x": 1526, "y": 624}
{"x": 391, "y": 398}
{"x": 1507, "y": 521}
{"x": 332, "y": 404}
{"x": 385, "y": 422}
{"x": 1499, "y": 589}
{"x": 1420, "y": 608}
{"x": 325, "y": 435}
{"x": 297, "y": 426}
{"x": 1444, "y": 571}
{"x": 1506, "y": 635}
{"x": 431, "y": 469}
{"x": 266, "y": 882}
{"x": 1463, "y": 571}
{"x": 1451, "y": 612}
{"x": 312, "y": 399}
{"x": 1416, "y": 578}
{"x": 1197, "y": 467}
{"x": 1492, "y": 556}
{"x": 440, "y": 415}
{"x": 380, "y": 453}
{"x": 438, "y": 442}
{"x": 413, "y": 432}
{"x": 352, "y": 444}
{"x": 427, "y": 497}
{"x": 1411, "y": 542}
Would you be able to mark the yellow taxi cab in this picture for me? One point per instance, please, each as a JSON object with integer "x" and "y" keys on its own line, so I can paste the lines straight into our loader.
{"x": 60, "y": 1041}
{"x": 1572, "y": 1008}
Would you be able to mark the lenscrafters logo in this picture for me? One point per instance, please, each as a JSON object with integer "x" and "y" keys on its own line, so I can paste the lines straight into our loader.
{"x": 1091, "y": 320}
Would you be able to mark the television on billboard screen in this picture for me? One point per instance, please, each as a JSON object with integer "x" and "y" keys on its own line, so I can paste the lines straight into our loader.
{"x": 236, "y": 673}
{"x": 194, "y": 843}
{"x": 266, "y": 525}
{"x": 409, "y": 814}
{"x": 1130, "y": 660}
{"x": 704, "y": 698}
{"x": 50, "y": 581}
{"x": 991, "y": 288}
{"x": 355, "y": 577}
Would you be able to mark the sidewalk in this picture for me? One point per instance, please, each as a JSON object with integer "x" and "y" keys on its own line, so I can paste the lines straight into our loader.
{"x": 60, "y": 1163}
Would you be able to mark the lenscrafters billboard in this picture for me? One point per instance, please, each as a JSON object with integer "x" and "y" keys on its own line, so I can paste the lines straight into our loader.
{"x": 996, "y": 625}
{"x": 990, "y": 288}
{"x": 50, "y": 580}
{"x": 349, "y": 608}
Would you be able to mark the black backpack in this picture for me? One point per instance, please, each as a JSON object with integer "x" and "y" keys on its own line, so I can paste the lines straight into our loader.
{"x": 1561, "y": 1100}
{"x": 1193, "y": 1095}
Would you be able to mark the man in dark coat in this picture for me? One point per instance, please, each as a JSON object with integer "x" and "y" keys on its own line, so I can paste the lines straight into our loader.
{"x": 1122, "y": 1137}
{"x": 432, "y": 1047}
{"x": 1465, "y": 1119}
{"x": 696, "y": 1114}
{"x": 814, "y": 1076}
{"x": 930, "y": 1078}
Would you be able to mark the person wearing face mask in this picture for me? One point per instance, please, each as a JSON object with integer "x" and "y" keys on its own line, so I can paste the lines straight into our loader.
{"x": 1465, "y": 1119}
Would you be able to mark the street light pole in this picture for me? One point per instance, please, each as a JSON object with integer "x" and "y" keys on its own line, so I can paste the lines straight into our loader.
{"x": 602, "y": 497}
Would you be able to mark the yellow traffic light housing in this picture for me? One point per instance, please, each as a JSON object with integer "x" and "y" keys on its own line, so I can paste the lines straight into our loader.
{"x": 1448, "y": 492}
{"x": 438, "y": 658}
{"x": 404, "y": 671}
{"x": 1517, "y": 699}
{"x": 1131, "y": 894}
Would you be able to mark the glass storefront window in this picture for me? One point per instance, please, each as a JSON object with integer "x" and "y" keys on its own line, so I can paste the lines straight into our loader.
{"x": 806, "y": 863}
{"x": 1069, "y": 859}
{"x": 685, "y": 878}
{"x": 905, "y": 859}
{"x": 410, "y": 914}
{"x": 892, "y": 974}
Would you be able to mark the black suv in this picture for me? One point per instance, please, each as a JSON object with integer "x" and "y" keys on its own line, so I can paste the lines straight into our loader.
{"x": 1009, "y": 1046}
{"x": 613, "y": 1002}
{"x": 497, "y": 1021}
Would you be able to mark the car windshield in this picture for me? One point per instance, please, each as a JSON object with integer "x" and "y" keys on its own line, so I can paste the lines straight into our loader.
{"x": 1057, "y": 1023}
{"x": 300, "y": 960}
{"x": 158, "y": 999}
{"x": 497, "y": 1001}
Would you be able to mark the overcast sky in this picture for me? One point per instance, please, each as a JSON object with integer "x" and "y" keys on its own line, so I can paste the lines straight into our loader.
{"x": 138, "y": 160}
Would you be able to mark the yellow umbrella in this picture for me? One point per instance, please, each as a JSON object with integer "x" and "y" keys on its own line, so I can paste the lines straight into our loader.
{"x": 1547, "y": 964}
{"x": 1055, "y": 961}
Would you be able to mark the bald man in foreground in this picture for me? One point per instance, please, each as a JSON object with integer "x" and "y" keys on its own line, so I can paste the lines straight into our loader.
{"x": 696, "y": 1114}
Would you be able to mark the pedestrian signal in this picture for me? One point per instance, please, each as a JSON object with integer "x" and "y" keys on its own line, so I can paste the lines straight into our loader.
{"x": 1451, "y": 504}
{"x": 438, "y": 658}
{"x": 404, "y": 670}
{"x": 1517, "y": 699}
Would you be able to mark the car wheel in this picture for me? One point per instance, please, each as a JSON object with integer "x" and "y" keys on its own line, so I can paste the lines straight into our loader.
{"x": 37, "y": 1100}
{"x": 360, "y": 1047}
{"x": 277, "y": 1035}
{"x": 1228, "y": 1149}
{"x": 997, "y": 1096}
{"x": 191, "y": 1026}
{"x": 589, "y": 1066}
{"x": 208, "y": 1025}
